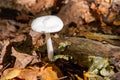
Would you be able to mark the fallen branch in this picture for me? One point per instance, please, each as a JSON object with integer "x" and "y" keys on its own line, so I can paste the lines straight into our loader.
{"x": 81, "y": 48}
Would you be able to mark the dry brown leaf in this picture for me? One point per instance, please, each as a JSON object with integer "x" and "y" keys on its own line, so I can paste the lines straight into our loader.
{"x": 48, "y": 74}
{"x": 26, "y": 74}
{"x": 35, "y": 6}
{"x": 79, "y": 78}
{"x": 36, "y": 38}
{"x": 109, "y": 1}
{"x": 26, "y": 2}
{"x": 103, "y": 8}
{"x": 41, "y": 5}
{"x": 20, "y": 38}
{"x": 29, "y": 74}
{"x": 23, "y": 17}
{"x": 49, "y": 3}
{"x": 76, "y": 12}
{"x": 22, "y": 59}
{"x": 35, "y": 73}
{"x": 116, "y": 22}
{"x": 10, "y": 73}
{"x": 32, "y": 73}
{"x": 6, "y": 29}
{"x": 4, "y": 44}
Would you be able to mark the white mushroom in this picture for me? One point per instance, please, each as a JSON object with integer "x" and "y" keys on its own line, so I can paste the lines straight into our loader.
{"x": 47, "y": 24}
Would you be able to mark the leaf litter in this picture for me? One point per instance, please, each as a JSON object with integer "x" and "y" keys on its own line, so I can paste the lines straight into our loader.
{"x": 20, "y": 48}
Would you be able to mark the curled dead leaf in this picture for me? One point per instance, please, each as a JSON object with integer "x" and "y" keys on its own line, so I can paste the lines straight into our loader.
{"x": 48, "y": 73}
{"x": 22, "y": 59}
{"x": 10, "y": 73}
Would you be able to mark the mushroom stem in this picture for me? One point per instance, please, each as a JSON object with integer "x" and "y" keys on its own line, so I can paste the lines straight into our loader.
{"x": 49, "y": 46}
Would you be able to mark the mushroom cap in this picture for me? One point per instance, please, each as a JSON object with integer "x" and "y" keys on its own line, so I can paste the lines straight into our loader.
{"x": 47, "y": 24}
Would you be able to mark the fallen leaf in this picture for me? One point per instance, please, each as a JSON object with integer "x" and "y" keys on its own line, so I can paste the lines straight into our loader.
{"x": 22, "y": 59}
{"x": 5, "y": 43}
{"x": 116, "y": 22}
{"x": 22, "y": 17}
{"x": 48, "y": 74}
{"x": 77, "y": 12}
{"x": 29, "y": 74}
{"x": 26, "y": 2}
{"x": 35, "y": 36}
{"x": 37, "y": 39}
{"x": 78, "y": 78}
{"x": 10, "y": 73}
{"x": 41, "y": 5}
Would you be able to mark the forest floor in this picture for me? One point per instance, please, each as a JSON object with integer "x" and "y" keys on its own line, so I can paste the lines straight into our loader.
{"x": 87, "y": 48}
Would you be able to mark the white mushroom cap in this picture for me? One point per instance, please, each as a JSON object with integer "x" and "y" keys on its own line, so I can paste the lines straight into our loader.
{"x": 47, "y": 24}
